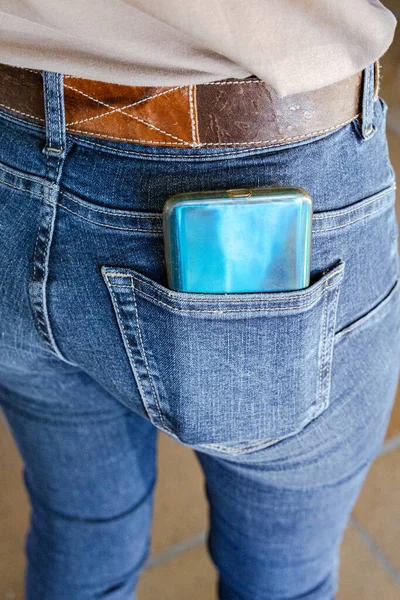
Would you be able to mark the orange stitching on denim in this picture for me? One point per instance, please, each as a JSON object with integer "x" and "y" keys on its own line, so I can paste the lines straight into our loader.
{"x": 345, "y": 211}
{"x": 159, "y": 231}
{"x": 127, "y": 346}
{"x": 21, "y": 189}
{"x": 287, "y": 296}
{"x": 332, "y": 343}
{"x": 146, "y": 361}
{"x": 113, "y": 212}
{"x": 240, "y": 310}
{"x": 390, "y": 203}
{"x": 322, "y": 357}
{"x": 382, "y": 305}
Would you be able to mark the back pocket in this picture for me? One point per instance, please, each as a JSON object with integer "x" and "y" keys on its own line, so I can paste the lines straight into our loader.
{"x": 229, "y": 372}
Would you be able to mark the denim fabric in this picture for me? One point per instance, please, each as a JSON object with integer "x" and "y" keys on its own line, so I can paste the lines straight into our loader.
{"x": 284, "y": 396}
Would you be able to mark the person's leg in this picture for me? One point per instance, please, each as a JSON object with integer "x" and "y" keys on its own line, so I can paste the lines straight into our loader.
{"x": 278, "y": 510}
{"x": 278, "y": 515}
{"x": 89, "y": 461}
{"x": 90, "y": 470}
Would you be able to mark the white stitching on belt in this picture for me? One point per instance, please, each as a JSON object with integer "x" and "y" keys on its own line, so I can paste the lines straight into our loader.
{"x": 21, "y": 113}
{"x": 192, "y": 114}
{"x": 113, "y": 108}
{"x": 201, "y": 144}
{"x": 233, "y": 82}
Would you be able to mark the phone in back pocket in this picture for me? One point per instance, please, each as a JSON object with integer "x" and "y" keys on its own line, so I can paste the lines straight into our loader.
{"x": 238, "y": 240}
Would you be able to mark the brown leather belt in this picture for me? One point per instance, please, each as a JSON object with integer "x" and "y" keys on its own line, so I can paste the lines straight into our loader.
{"x": 232, "y": 112}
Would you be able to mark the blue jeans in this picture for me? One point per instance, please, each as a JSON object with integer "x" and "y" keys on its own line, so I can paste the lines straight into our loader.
{"x": 285, "y": 397}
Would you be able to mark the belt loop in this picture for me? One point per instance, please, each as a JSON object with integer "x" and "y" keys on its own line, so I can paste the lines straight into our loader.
{"x": 55, "y": 148}
{"x": 368, "y": 101}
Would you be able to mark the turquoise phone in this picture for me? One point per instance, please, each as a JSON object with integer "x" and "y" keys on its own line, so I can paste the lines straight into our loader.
{"x": 238, "y": 240}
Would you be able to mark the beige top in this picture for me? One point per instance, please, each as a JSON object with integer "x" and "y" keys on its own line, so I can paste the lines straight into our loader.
{"x": 294, "y": 45}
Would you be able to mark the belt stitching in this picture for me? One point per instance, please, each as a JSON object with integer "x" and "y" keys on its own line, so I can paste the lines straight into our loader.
{"x": 276, "y": 141}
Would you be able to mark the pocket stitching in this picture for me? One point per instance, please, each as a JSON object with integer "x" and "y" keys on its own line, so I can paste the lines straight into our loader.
{"x": 240, "y": 310}
{"x": 374, "y": 212}
{"x": 158, "y": 231}
{"x": 266, "y": 443}
{"x": 318, "y": 287}
{"x": 321, "y": 368}
{"x": 374, "y": 311}
{"x": 144, "y": 355}
{"x": 127, "y": 345}
{"x": 327, "y": 348}
{"x": 324, "y": 402}
{"x": 261, "y": 444}
{"x": 328, "y": 334}
{"x": 111, "y": 211}
{"x": 28, "y": 191}
{"x": 346, "y": 211}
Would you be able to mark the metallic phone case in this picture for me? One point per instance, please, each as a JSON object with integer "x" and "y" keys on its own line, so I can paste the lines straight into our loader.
{"x": 241, "y": 240}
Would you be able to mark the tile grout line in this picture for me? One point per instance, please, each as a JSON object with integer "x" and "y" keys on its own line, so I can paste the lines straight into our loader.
{"x": 376, "y": 551}
{"x": 176, "y": 550}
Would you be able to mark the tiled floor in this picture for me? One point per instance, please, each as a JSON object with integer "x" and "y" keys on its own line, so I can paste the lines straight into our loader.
{"x": 179, "y": 568}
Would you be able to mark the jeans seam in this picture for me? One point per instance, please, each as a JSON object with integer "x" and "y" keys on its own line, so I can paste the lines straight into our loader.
{"x": 121, "y": 213}
{"x": 240, "y": 310}
{"x": 128, "y": 348}
{"x": 263, "y": 444}
{"x": 370, "y": 214}
{"x": 39, "y": 296}
{"x": 107, "y": 226}
{"x": 346, "y": 211}
{"x": 230, "y": 153}
{"x": 237, "y": 452}
{"x": 331, "y": 346}
{"x": 382, "y": 304}
{"x": 59, "y": 130}
{"x": 125, "y": 215}
{"x": 112, "y": 212}
{"x": 322, "y": 357}
{"x": 32, "y": 193}
{"x": 143, "y": 352}
{"x": 26, "y": 176}
{"x": 26, "y": 123}
{"x": 319, "y": 288}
